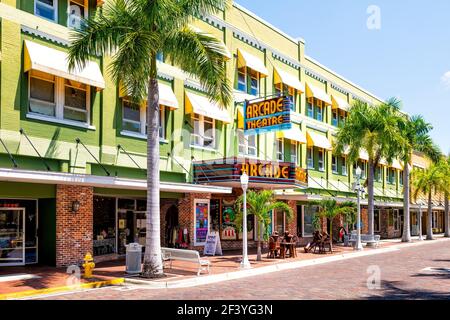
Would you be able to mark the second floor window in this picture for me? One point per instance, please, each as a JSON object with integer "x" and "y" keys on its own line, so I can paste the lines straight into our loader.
{"x": 254, "y": 83}
{"x": 280, "y": 149}
{"x": 310, "y": 158}
{"x": 294, "y": 151}
{"x": 321, "y": 159}
{"x": 378, "y": 174}
{"x": 391, "y": 176}
{"x": 77, "y": 11}
{"x": 334, "y": 164}
{"x": 310, "y": 108}
{"x": 401, "y": 177}
{"x": 289, "y": 92}
{"x": 247, "y": 144}
{"x": 134, "y": 119}
{"x": 204, "y": 131}
{"x": 319, "y": 110}
{"x": 344, "y": 166}
{"x": 242, "y": 79}
{"x": 47, "y": 9}
{"x": 334, "y": 117}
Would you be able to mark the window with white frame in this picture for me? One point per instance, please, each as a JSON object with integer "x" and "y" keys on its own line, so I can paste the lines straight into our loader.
{"x": 319, "y": 110}
{"x": 310, "y": 157}
{"x": 58, "y": 98}
{"x": 334, "y": 164}
{"x": 254, "y": 83}
{"x": 321, "y": 159}
{"x": 77, "y": 11}
{"x": 247, "y": 144}
{"x": 344, "y": 166}
{"x": 204, "y": 131}
{"x": 47, "y": 9}
{"x": 134, "y": 119}
{"x": 280, "y": 149}
{"x": 294, "y": 151}
{"x": 310, "y": 107}
{"x": 242, "y": 79}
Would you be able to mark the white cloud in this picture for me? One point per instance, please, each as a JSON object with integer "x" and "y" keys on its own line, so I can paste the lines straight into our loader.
{"x": 445, "y": 80}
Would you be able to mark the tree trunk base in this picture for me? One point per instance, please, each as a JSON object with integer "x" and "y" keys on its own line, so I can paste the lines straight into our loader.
{"x": 149, "y": 271}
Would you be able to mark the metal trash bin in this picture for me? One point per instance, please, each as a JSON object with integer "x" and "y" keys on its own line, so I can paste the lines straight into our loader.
{"x": 346, "y": 240}
{"x": 134, "y": 258}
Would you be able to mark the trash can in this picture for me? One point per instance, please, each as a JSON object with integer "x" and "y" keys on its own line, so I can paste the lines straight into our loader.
{"x": 346, "y": 240}
{"x": 134, "y": 258}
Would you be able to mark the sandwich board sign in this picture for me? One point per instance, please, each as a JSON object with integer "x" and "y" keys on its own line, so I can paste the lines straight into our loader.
{"x": 212, "y": 245}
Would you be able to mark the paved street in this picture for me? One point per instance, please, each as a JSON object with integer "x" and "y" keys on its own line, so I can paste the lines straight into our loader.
{"x": 405, "y": 274}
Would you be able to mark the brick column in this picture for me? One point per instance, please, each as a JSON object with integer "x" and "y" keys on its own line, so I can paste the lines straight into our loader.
{"x": 74, "y": 231}
{"x": 292, "y": 225}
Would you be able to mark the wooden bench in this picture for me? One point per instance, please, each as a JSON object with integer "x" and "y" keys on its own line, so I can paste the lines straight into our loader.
{"x": 366, "y": 238}
{"x": 169, "y": 254}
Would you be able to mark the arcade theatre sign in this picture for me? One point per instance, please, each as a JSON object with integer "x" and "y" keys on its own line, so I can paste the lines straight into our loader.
{"x": 268, "y": 115}
{"x": 262, "y": 174}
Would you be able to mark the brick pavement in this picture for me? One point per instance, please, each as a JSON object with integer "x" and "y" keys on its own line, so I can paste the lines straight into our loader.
{"x": 401, "y": 278}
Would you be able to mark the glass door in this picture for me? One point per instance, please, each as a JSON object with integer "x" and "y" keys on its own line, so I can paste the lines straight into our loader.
{"x": 12, "y": 236}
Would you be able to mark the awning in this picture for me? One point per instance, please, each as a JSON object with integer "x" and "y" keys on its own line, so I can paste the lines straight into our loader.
{"x": 240, "y": 117}
{"x": 339, "y": 103}
{"x": 318, "y": 140}
{"x": 363, "y": 155}
{"x": 203, "y": 106}
{"x": 245, "y": 59}
{"x": 294, "y": 134}
{"x": 312, "y": 91}
{"x": 288, "y": 79}
{"x": 52, "y": 61}
{"x": 166, "y": 95}
{"x": 396, "y": 165}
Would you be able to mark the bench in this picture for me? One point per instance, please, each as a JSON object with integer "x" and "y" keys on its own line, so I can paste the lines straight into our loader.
{"x": 366, "y": 238}
{"x": 169, "y": 254}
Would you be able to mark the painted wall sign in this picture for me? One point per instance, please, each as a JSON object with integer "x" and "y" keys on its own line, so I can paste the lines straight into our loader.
{"x": 268, "y": 115}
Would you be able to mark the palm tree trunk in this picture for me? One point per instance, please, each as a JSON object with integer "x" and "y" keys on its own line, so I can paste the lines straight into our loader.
{"x": 152, "y": 258}
{"x": 259, "y": 253}
{"x": 331, "y": 235}
{"x": 406, "y": 207}
{"x": 371, "y": 198}
{"x": 430, "y": 218}
{"x": 446, "y": 216}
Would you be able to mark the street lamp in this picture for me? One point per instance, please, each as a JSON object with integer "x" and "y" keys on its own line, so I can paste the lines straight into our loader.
{"x": 358, "y": 190}
{"x": 245, "y": 264}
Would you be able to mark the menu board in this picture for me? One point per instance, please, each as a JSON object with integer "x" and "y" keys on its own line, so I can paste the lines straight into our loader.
{"x": 212, "y": 245}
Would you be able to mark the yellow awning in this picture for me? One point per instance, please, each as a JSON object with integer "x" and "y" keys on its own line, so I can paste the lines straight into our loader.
{"x": 312, "y": 91}
{"x": 396, "y": 165}
{"x": 203, "y": 106}
{"x": 245, "y": 59}
{"x": 52, "y": 61}
{"x": 294, "y": 134}
{"x": 166, "y": 95}
{"x": 240, "y": 117}
{"x": 318, "y": 140}
{"x": 339, "y": 103}
{"x": 288, "y": 79}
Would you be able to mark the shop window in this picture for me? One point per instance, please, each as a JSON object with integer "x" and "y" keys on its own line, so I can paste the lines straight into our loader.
{"x": 126, "y": 204}
{"x": 77, "y": 11}
{"x": 204, "y": 131}
{"x": 344, "y": 166}
{"x": 321, "y": 159}
{"x": 104, "y": 221}
{"x": 294, "y": 152}
{"x": 58, "y": 98}
{"x": 47, "y": 9}
{"x": 334, "y": 164}
{"x": 242, "y": 79}
{"x": 280, "y": 149}
{"x": 334, "y": 117}
{"x": 279, "y": 222}
{"x": 396, "y": 215}
{"x": 310, "y": 157}
{"x": 308, "y": 217}
{"x": 247, "y": 144}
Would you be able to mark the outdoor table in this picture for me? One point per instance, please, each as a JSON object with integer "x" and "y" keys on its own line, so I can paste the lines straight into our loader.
{"x": 287, "y": 246}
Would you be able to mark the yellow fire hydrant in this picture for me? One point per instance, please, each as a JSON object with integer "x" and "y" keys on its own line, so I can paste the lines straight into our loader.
{"x": 88, "y": 265}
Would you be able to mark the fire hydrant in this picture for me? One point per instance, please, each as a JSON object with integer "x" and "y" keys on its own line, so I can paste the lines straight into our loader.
{"x": 88, "y": 265}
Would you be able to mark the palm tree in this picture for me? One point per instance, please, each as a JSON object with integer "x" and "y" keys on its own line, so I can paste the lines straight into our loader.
{"x": 416, "y": 138}
{"x": 134, "y": 32}
{"x": 446, "y": 167}
{"x": 261, "y": 204}
{"x": 429, "y": 181}
{"x": 330, "y": 209}
{"x": 375, "y": 129}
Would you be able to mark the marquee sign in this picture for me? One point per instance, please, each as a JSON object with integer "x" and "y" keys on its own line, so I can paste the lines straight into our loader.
{"x": 268, "y": 115}
{"x": 262, "y": 174}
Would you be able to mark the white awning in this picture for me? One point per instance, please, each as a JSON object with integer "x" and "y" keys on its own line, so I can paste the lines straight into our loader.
{"x": 52, "y": 61}
{"x": 318, "y": 140}
{"x": 166, "y": 95}
{"x": 339, "y": 103}
{"x": 294, "y": 134}
{"x": 396, "y": 165}
{"x": 245, "y": 59}
{"x": 312, "y": 91}
{"x": 203, "y": 106}
{"x": 288, "y": 79}
{"x": 363, "y": 155}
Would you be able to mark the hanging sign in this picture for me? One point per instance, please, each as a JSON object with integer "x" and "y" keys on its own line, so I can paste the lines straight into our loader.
{"x": 212, "y": 246}
{"x": 268, "y": 115}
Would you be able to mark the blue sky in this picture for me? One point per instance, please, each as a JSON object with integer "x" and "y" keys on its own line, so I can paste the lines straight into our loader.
{"x": 408, "y": 57}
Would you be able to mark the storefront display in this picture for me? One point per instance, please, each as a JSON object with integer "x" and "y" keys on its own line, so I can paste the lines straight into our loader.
{"x": 201, "y": 222}
{"x": 228, "y": 221}
{"x": 104, "y": 226}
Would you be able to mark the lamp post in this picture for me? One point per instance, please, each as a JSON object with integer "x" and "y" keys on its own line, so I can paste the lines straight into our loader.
{"x": 420, "y": 221}
{"x": 358, "y": 245}
{"x": 245, "y": 264}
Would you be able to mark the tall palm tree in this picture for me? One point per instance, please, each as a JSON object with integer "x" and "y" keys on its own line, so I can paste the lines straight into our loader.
{"x": 415, "y": 131}
{"x": 261, "y": 204}
{"x": 375, "y": 129}
{"x": 446, "y": 199}
{"x": 330, "y": 209}
{"x": 134, "y": 32}
{"x": 429, "y": 181}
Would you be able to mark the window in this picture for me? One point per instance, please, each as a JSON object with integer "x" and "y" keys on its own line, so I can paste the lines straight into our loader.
{"x": 134, "y": 119}
{"x": 344, "y": 166}
{"x": 289, "y": 92}
{"x": 280, "y": 149}
{"x": 310, "y": 158}
{"x": 319, "y": 110}
{"x": 362, "y": 165}
{"x": 321, "y": 161}
{"x": 334, "y": 164}
{"x": 247, "y": 144}
{"x": 294, "y": 152}
{"x": 396, "y": 220}
{"x": 204, "y": 131}
{"x": 308, "y": 216}
{"x": 242, "y": 79}
{"x": 279, "y": 223}
{"x": 254, "y": 83}
{"x": 162, "y": 123}
{"x": 77, "y": 11}
{"x": 310, "y": 108}
{"x": 342, "y": 117}
{"x": 160, "y": 56}
{"x": 334, "y": 118}
{"x": 47, "y": 9}
{"x": 58, "y": 98}
{"x": 401, "y": 177}
{"x": 391, "y": 176}
{"x": 378, "y": 174}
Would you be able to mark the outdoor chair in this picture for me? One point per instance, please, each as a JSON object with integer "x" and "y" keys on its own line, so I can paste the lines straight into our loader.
{"x": 274, "y": 248}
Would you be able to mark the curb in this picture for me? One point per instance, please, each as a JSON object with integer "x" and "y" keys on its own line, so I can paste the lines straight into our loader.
{"x": 209, "y": 279}
{"x": 91, "y": 285}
